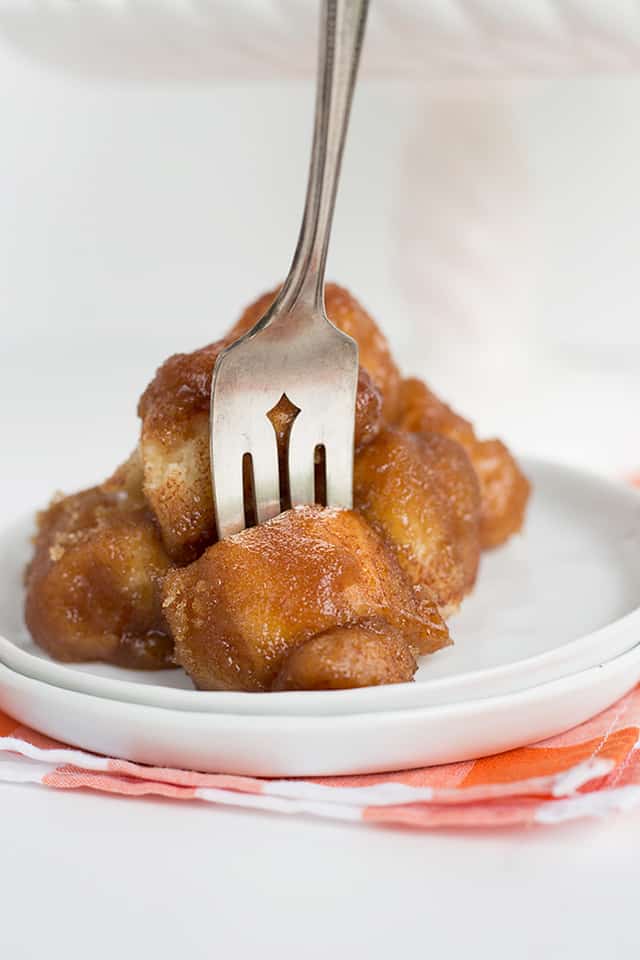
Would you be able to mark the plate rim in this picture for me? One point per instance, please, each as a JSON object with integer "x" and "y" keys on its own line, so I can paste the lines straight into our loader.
{"x": 565, "y": 659}
{"x": 282, "y": 747}
{"x": 249, "y": 720}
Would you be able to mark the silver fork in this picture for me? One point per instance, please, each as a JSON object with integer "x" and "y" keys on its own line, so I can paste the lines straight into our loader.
{"x": 294, "y": 361}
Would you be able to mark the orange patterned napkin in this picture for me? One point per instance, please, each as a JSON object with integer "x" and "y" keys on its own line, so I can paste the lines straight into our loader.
{"x": 586, "y": 772}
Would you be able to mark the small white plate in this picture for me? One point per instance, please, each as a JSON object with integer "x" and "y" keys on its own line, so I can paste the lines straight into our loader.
{"x": 280, "y": 746}
{"x": 557, "y": 600}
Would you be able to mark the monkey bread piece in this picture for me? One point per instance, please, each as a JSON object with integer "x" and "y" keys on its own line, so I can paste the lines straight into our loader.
{"x": 421, "y": 493}
{"x": 174, "y": 444}
{"x": 505, "y": 492}
{"x": 362, "y": 655}
{"x": 349, "y": 316}
{"x": 421, "y": 411}
{"x": 93, "y": 584}
{"x": 505, "y": 489}
{"x": 302, "y": 580}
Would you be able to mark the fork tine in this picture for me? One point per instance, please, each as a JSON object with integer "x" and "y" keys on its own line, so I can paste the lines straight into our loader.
{"x": 266, "y": 478}
{"x": 339, "y": 471}
{"x": 227, "y": 477}
{"x": 302, "y": 443}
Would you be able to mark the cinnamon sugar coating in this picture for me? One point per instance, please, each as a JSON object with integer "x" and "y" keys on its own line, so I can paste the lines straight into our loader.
{"x": 422, "y": 495}
{"x": 504, "y": 487}
{"x": 93, "y": 584}
{"x": 252, "y": 600}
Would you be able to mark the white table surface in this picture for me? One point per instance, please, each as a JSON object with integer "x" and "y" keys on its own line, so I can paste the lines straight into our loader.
{"x": 105, "y": 877}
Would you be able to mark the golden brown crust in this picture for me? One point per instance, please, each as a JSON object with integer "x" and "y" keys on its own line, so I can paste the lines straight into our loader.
{"x": 180, "y": 389}
{"x": 349, "y": 316}
{"x": 375, "y": 354}
{"x": 174, "y": 445}
{"x": 504, "y": 487}
{"x": 363, "y": 655}
{"x": 421, "y": 493}
{"x": 239, "y": 611}
{"x": 505, "y": 492}
{"x": 93, "y": 585}
{"x": 421, "y": 411}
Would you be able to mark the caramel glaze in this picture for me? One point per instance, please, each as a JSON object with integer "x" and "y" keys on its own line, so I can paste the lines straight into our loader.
{"x": 504, "y": 487}
{"x": 93, "y": 584}
{"x": 302, "y": 585}
{"x": 364, "y": 655}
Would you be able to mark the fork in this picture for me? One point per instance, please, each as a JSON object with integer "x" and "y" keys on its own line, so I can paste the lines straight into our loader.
{"x": 283, "y": 395}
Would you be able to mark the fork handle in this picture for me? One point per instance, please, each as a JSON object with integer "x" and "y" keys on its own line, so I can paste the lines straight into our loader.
{"x": 341, "y": 32}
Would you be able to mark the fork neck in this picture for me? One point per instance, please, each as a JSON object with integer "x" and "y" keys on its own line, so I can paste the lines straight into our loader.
{"x": 341, "y": 31}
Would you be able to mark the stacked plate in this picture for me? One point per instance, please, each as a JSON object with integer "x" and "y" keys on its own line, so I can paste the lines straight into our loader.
{"x": 550, "y": 637}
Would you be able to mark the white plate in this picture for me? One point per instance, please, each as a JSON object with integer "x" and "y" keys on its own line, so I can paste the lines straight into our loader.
{"x": 280, "y": 746}
{"x": 559, "y": 599}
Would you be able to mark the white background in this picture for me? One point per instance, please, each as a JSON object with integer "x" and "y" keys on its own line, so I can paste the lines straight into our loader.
{"x": 491, "y": 224}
